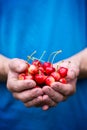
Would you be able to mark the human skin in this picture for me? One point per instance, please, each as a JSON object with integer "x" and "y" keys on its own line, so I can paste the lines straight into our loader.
{"x": 46, "y": 97}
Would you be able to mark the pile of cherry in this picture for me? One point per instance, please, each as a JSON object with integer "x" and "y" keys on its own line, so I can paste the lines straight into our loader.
{"x": 44, "y": 73}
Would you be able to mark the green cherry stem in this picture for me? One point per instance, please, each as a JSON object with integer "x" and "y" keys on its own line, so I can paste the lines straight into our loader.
{"x": 40, "y": 59}
{"x": 51, "y": 55}
{"x": 34, "y": 58}
{"x": 30, "y": 57}
{"x": 57, "y": 52}
{"x": 42, "y": 55}
{"x": 58, "y": 65}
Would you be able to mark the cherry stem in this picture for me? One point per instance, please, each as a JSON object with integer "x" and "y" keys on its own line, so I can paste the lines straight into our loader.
{"x": 57, "y": 52}
{"x": 42, "y": 55}
{"x": 30, "y": 57}
{"x": 34, "y": 58}
{"x": 58, "y": 65}
{"x": 51, "y": 55}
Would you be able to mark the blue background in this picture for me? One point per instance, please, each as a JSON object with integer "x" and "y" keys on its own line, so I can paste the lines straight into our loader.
{"x": 28, "y": 25}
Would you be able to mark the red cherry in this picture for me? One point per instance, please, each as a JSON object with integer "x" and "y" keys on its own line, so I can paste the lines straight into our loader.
{"x": 28, "y": 64}
{"x": 63, "y": 71}
{"x": 46, "y": 64}
{"x": 49, "y": 80}
{"x": 26, "y": 71}
{"x": 33, "y": 69}
{"x": 29, "y": 76}
{"x": 56, "y": 75}
{"x": 49, "y": 70}
{"x": 21, "y": 76}
{"x": 40, "y": 78}
{"x": 63, "y": 80}
{"x": 36, "y": 63}
{"x": 41, "y": 69}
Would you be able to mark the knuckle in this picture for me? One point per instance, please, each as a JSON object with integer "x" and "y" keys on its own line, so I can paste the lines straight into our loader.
{"x": 57, "y": 98}
{"x": 33, "y": 102}
{"x": 53, "y": 95}
{"x": 60, "y": 99}
{"x": 12, "y": 87}
{"x": 30, "y": 84}
{"x": 16, "y": 88}
{"x": 24, "y": 97}
{"x": 9, "y": 86}
{"x": 20, "y": 97}
{"x": 69, "y": 91}
{"x": 46, "y": 99}
{"x": 54, "y": 104}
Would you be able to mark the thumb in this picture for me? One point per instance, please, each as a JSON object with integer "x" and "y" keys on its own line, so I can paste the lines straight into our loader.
{"x": 18, "y": 65}
{"x": 72, "y": 74}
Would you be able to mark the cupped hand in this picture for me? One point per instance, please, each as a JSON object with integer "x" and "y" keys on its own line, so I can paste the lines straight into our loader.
{"x": 59, "y": 92}
{"x": 23, "y": 90}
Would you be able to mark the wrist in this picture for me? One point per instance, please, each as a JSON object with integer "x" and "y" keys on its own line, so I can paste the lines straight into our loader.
{"x": 4, "y": 67}
{"x": 83, "y": 63}
{"x": 81, "y": 60}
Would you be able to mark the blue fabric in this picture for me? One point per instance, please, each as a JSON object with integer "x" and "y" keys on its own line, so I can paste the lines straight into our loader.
{"x": 28, "y": 25}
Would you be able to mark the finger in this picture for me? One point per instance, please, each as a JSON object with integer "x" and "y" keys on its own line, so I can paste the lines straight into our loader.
{"x": 48, "y": 101}
{"x": 39, "y": 104}
{"x": 73, "y": 71}
{"x": 54, "y": 95}
{"x": 28, "y": 95}
{"x": 20, "y": 85}
{"x": 71, "y": 74}
{"x": 45, "y": 107}
{"x": 65, "y": 89}
{"x": 34, "y": 102}
{"x": 18, "y": 65}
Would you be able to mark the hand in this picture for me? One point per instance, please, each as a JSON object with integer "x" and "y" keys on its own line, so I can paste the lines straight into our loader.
{"x": 23, "y": 90}
{"x": 59, "y": 92}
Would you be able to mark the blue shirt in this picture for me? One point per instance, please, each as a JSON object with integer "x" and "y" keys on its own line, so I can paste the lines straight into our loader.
{"x": 28, "y": 25}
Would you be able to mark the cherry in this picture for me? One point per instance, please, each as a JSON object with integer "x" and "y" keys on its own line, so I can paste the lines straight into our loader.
{"x": 21, "y": 76}
{"x": 63, "y": 71}
{"x": 49, "y": 70}
{"x": 26, "y": 71}
{"x": 63, "y": 80}
{"x": 56, "y": 75}
{"x": 33, "y": 69}
{"x": 41, "y": 69}
{"x": 29, "y": 76}
{"x": 36, "y": 63}
{"x": 46, "y": 64}
{"x": 28, "y": 64}
{"x": 49, "y": 80}
{"x": 40, "y": 78}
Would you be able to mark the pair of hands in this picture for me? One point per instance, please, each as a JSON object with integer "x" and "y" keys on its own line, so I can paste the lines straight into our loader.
{"x": 46, "y": 97}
